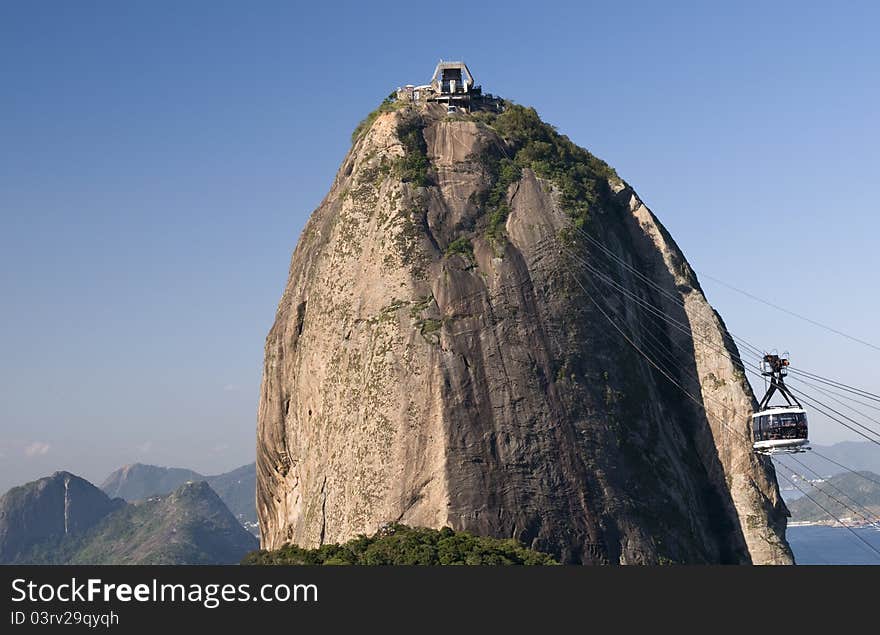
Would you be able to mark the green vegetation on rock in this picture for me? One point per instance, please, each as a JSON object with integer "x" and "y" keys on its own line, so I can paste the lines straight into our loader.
{"x": 388, "y": 104}
{"x": 582, "y": 178}
{"x": 503, "y": 172}
{"x": 461, "y": 245}
{"x": 401, "y": 545}
{"x": 413, "y": 165}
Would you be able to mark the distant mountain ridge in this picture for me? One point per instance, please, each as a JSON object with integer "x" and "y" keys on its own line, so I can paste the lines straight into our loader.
{"x": 47, "y": 509}
{"x": 191, "y": 525}
{"x": 852, "y": 496}
{"x": 64, "y": 519}
{"x": 236, "y": 488}
{"x": 856, "y": 455}
{"x": 138, "y": 481}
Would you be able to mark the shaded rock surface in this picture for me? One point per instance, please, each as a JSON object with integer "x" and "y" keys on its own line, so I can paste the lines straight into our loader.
{"x": 440, "y": 357}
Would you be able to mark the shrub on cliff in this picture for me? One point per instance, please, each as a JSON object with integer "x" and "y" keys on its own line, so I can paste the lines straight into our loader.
{"x": 581, "y": 177}
{"x": 401, "y": 545}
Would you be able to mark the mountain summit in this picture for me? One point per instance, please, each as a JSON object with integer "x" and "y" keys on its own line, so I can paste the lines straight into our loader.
{"x": 58, "y": 507}
{"x": 236, "y": 488}
{"x": 466, "y": 340}
{"x": 138, "y": 481}
{"x": 64, "y": 519}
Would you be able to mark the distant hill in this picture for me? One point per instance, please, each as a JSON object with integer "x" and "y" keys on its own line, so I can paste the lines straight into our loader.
{"x": 402, "y": 545}
{"x": 64, "y": 519}
{"x": 855, "y": 491}
{"x": 237, "y": 488}
{"x": 139, "y": 481}
{"x": 191, "y": 525}
{"x": 857, "y": 455}
{"x": 59, "y": 506}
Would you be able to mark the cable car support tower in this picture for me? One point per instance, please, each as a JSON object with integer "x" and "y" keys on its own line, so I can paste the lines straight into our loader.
{"x": 775, "y": 368}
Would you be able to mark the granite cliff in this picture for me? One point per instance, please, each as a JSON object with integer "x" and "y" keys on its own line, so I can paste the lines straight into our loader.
{"x": 441, "y": 357}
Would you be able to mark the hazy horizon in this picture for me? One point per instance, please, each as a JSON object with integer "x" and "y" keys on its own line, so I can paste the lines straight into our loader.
{"x": 162, "y": 160}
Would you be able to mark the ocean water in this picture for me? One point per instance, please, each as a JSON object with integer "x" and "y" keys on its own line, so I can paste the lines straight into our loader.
{"x": 833, "y": 545}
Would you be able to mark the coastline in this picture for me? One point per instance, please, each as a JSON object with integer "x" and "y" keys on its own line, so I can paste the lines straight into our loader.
{"x": 845, "y": 522}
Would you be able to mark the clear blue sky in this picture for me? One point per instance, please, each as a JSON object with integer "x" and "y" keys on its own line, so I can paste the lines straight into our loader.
{"x": 159, "y": 159}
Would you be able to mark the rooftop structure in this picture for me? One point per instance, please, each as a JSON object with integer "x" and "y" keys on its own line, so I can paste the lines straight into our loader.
{"x": 451, "y": 84}
{"x": 452, "y": 79}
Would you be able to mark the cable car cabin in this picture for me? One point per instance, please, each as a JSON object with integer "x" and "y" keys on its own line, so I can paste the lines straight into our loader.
{"x": 780, "y": 429}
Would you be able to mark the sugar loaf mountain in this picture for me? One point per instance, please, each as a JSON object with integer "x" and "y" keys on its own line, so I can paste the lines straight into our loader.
{"x": 465, "y": 341}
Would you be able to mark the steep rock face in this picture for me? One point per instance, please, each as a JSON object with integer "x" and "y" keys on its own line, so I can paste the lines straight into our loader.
{"x": 441, "y": 356}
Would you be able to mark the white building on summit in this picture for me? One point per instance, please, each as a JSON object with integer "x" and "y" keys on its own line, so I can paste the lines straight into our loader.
{"x": 451, "y": 84}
